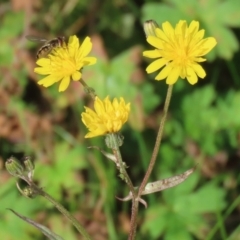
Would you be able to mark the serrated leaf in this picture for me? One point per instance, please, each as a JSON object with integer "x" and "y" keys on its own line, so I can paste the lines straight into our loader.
{"x": 47, "y": 232}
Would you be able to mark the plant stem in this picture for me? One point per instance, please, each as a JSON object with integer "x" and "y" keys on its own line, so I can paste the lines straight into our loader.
{"x": 117, "y": 154}
{"x": 158, "y": 141}
{"x": 64, "y": 211}
{"x": 133, "y": 223}
{"x": 88, "y": 89}
{"x": 122, "y": 167}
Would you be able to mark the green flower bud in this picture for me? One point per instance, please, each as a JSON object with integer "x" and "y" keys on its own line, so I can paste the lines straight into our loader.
{"x": 14, "y": 167}
{"x": 29, "y": 192}
{"x": 149, "y": 28}
{"x": 29, "y": 165}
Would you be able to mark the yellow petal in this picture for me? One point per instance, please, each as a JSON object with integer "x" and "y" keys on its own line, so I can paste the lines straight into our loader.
{"x": 191, "y": 76}
{"x": 164, "y": 72}
{"x": 49, "y": 80}
{"x": 193, "y": 27}
{"x": 157, "y": 64}
{"x": 168, "y": 29}
{"x": 64, "y": 84}
{"x": 76, "y": 76}
{"x": 199, "y": 70}
{"x": 155, "y": 42}
{"x": 43, "y": 62}
{"x": 89, "y": 61}
{"x": 85, "y": 48}
{"x": 43, "y": 70}
{"x": 152, "y": 53}
{"x": 173, "y": 76}
{"x": 73, "y": 45}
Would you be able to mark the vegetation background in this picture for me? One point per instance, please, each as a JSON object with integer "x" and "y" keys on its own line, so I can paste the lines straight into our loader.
{"x": 203, "y": 123}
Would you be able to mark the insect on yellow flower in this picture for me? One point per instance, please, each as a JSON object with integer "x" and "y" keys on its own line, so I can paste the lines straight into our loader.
{"x": 178, "y": 52}
{"x": 64, "y": 63}
{"x": 108, "y": 116}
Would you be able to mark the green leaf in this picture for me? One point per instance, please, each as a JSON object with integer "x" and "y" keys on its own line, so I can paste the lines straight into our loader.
{"x": 229, "y": 12}
{"x": 155, "y": 221}
{"x": 11, "y": 227}
{"x": 47, "y": 232}
{"x": 65, "y": 162}
{"x": 227, "y": 42}
{"x": 161, "y": 13}
{"x": 208, "y": 198}
{"x": 176, "y": 230}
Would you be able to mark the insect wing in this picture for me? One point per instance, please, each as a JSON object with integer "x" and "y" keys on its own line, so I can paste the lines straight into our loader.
{"x": 35, "y": 38}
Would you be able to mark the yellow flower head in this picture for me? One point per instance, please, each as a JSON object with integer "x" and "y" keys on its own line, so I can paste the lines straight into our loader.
{"x": 179, "y": 51}
{"x": 65, "y": 63}
{"x": 108, "y": 116}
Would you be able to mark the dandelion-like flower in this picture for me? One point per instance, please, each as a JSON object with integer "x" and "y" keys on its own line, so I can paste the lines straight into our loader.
{"x": 179, "y": 52}
{"x": 108, "y": 116}
{"x": 64, "y": 63}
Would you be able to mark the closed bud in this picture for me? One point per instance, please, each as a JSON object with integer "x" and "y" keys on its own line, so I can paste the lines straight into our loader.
{"x": 29, "y": 166}
{"x": 14, "y": 167}
{"x": 29, "y": 192}
{"x": 149, "y": 28}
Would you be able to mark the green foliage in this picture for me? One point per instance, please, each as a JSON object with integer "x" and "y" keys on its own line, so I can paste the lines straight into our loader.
{"x": 11, "y": 26}
{"x": 43, "y": 123}
{"x": 214, "y": 116}
{"x": 46, "y": 231}
{"x": 10, "y": 224}
{"x": 181, "y": 210}
{"x": 64, "y": 164}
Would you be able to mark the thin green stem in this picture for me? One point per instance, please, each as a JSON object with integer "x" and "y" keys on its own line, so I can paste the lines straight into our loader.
{"x": 88, "y": 89}
{"x": 117, "y": 154}
{"x": 123, "y": 172}
{"x": 158, "y": 141}
{"x": 64, "y": 211}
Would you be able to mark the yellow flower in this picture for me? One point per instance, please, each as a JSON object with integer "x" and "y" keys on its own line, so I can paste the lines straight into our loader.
{"x": 108, "y": 116}
{"x": 65, "y": 63}
{"x": 179, "y": 51}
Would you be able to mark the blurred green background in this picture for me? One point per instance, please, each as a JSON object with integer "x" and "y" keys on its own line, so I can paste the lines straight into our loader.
{"x": 203, "y": 123}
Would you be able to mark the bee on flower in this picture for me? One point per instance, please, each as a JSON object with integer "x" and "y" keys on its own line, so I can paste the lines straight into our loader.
{"x": 65, "y": 63}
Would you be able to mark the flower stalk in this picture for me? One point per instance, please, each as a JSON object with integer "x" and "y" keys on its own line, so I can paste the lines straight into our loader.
{"x": 88, "y": 89}
{"x": 158, "y": 141}
{"x": 126, "y": 178}
{"x": 65, "y": 212}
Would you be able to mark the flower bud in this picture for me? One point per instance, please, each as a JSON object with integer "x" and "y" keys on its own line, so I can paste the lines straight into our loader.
{"x": 149, "y": 28}
{"x": 29, "y": 192}
{"x": 29, "y": 165}
{"x": 14, "y": 167}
